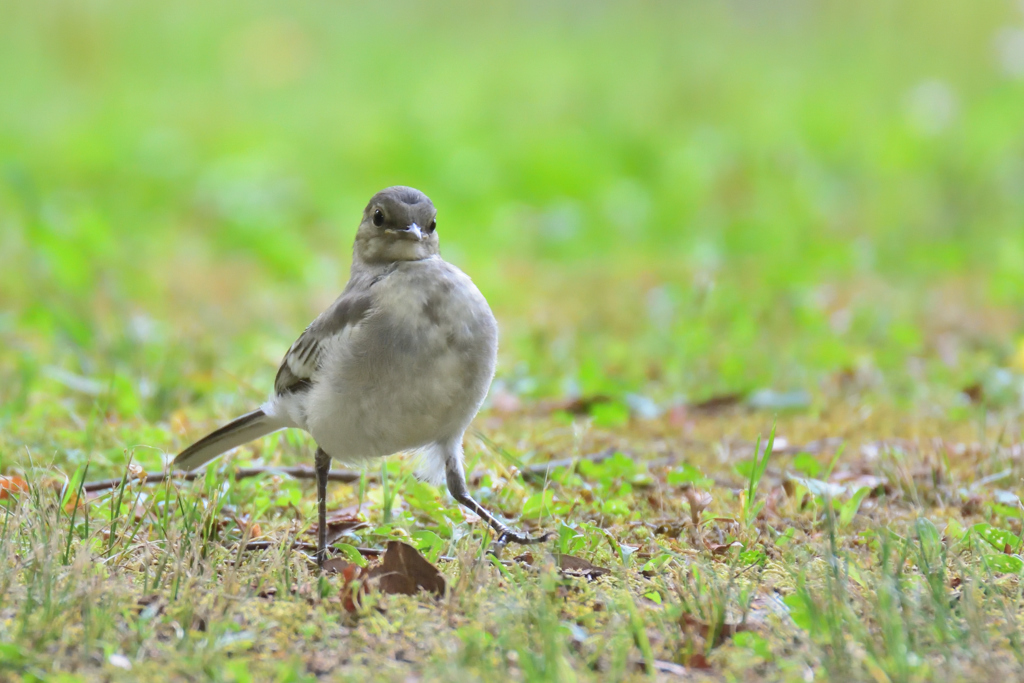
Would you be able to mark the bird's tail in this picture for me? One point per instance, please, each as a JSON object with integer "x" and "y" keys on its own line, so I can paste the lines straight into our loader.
{"x": 237, "y": 432}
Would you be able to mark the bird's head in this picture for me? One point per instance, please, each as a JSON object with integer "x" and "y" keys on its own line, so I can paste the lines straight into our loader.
{"x": 398, "y": 225}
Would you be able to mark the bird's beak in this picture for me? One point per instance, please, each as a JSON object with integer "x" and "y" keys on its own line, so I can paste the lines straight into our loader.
{"x": 412, "y": 232}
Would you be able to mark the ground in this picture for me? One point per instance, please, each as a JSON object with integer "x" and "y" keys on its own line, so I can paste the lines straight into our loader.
{"x": 759, "y": 280}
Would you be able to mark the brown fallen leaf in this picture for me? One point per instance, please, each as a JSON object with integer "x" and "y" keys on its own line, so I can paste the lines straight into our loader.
{"x": 699, "y": 501}
{"x": 335, "y": 565}
{"x": 975, "y": 392}
{"x": 575, "y": 406}
{"x": 723, "y": 548}
{"x": 571, "y": 565}
{"x": 568, "y": 565}
{"x": 695, "y": 627}
{"x": 525, "y": 558}
{"x": 336, "y": 530}
{"x": 344, "y": 514}
{"x": 404, "y": 571}
{"x": 972, "y": 505}
{"x": 352, "y": 586}
{"x": 339, "y": 522}
{"x": 717, "y": 403}
{"x": 698, "y": 661}
{"x": 73, "y": 501}
{"x": 11, "y": 484}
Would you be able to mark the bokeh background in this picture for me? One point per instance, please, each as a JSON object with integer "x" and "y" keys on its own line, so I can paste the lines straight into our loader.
{"x": 803, "y": 202}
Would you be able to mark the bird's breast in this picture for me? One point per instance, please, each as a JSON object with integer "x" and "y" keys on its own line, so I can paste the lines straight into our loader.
{"x": 436, "y": 306}
{"x": 415, "y": 370}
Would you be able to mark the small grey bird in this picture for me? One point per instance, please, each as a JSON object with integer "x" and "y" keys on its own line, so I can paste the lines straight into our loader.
{"x": 400, "y": 361}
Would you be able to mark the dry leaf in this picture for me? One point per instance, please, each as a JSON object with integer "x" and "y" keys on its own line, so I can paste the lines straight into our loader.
{"x": 698, "y": 661}
{"x": 73, "y": 501}
{"x": 339, "y": 522}
{"x": 722, "y": 548}
{"x": 351, "y": 591}
{"x": 696, "y": 628}
{"x": 525, "y": 558}
{"x": 576, "y": 406}
{"x": 11, "y": 484}
{"x": 404, "y": 571}
{"x": 136, "y": 473}
{"x": 975, "y": 392}
{"x": 569, "y": 565}
{"x": 578, "y": 567}
{"x": 699, "y": 501}
{"x": 717, "y": 403}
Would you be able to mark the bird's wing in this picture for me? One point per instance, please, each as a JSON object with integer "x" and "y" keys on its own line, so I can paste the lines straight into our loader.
{"x": 305, "y": 355}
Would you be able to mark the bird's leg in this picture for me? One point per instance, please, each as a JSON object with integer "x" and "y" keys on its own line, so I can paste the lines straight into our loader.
{"x": 460, "y": 492}
{"x": 322, "y": 464}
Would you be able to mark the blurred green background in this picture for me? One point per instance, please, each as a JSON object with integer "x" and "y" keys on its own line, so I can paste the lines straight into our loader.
{"x": 663, "y": 201}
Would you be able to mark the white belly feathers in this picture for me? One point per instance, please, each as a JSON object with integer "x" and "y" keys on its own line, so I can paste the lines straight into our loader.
{"x": 409, "y": 378}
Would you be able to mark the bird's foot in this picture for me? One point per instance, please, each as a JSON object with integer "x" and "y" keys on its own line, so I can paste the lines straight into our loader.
{"x": 507, "y": 536}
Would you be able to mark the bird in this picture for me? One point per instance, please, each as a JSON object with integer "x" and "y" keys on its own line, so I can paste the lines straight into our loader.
{"x": 401, "y": 361}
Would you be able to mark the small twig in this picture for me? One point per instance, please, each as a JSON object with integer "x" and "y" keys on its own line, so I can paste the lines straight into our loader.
{"x": 530, "y": 472}
{"x": 346, "y": 476}
{"x": 365, "y": 552}
{"x": 305, "y": 545}
{"x": 301, "y": 472}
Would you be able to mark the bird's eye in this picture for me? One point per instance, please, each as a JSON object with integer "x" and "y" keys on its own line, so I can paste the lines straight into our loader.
{"x": 378, "y": 218}
{"x": 433, "y": 226}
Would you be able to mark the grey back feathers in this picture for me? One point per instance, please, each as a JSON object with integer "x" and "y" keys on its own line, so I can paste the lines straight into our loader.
{"x": 305, "y": 355}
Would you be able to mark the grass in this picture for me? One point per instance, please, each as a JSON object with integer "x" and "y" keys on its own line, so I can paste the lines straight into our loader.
{"x": 773, "y": 260}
